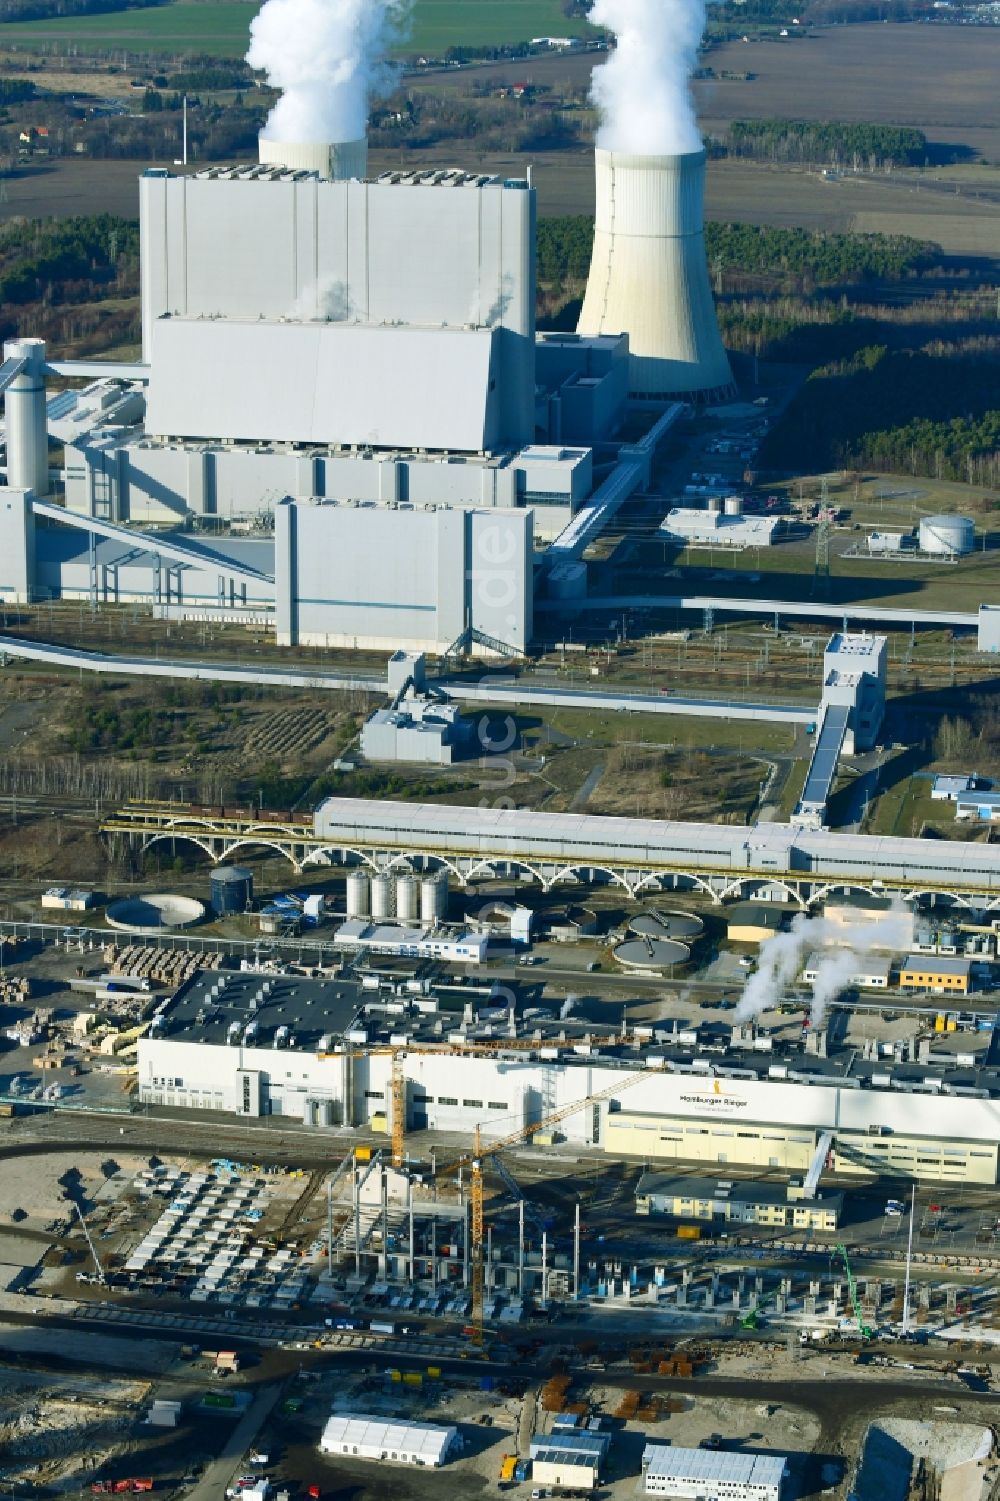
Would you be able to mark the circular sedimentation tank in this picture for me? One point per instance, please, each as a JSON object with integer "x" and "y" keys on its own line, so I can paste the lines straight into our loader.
{"x": 652, "y": 954}
{"x": 156, "y": 912}
{"x": 682, "y": 927}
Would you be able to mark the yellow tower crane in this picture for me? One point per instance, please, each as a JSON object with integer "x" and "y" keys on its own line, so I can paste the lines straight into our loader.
{"x": 475, "y": 1161}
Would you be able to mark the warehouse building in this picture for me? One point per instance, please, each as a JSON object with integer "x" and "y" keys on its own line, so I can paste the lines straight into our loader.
{"x": 713, "y": 1474}
{"x": 940, "y": 975}
{"x": 981, "y": 807}
{"x": 734, "y": 1202}
{"x": 756, "y": 922}
{"x": 362, "y": 1436}
{"x": 873, "y": 972}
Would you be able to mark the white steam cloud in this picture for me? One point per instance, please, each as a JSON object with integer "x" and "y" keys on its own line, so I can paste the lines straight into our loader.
{"x": 782, "y": 956}
{"x": 642, "y": 92}
{"x": 329, "y": 58}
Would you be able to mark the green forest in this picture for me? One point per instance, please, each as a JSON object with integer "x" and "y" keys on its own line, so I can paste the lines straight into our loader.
{"x": 832, "y": 142}
{"x": 795, "y": 255}
{"x": 903, "y": 411}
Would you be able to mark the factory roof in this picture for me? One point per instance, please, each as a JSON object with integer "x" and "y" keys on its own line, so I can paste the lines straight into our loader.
{"x": 444, "y": 177}
{"x": 855, "y": 644}
{"x": 952, "y": 786}
{"x": 935, "y": 964}
{"x": 714, "y": 1465}
{"x": 978, "y": 799}
{"x": 212, "y": 1002}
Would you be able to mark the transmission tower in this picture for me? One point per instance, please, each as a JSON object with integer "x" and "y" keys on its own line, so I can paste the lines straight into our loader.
{"x": 821, "y": 573}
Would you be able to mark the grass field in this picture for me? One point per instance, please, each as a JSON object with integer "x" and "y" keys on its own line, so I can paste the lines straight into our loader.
{"x": 223, "y": 29}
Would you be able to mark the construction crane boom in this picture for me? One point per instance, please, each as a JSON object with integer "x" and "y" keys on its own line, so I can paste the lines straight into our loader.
{"x": 864, "y": 1329}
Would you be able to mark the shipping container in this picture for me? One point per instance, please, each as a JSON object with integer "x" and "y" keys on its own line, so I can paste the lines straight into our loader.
{"x": 381, "y": 1326}
{"x": 688, "y": 1232}
{"x": 363, "y": 1154}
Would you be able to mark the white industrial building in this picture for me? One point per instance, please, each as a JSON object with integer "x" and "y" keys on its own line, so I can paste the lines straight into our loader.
{"x": 261, "y": 1046}
{"x": 417, "y": 729}
{"x": 362, "y": 1436}
{"x": 713, "y": 1474}
{"x": 412, "y": 943}
{"x": 722, "y": 524}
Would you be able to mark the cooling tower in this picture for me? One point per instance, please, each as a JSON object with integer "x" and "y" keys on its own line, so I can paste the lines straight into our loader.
{"x": 337, "y": 162}
{"x": 649, "y": 278}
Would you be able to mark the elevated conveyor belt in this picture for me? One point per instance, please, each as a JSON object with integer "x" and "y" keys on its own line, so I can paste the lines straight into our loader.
{"x": 823, "y": 766}
{"x": 165, "y": 546}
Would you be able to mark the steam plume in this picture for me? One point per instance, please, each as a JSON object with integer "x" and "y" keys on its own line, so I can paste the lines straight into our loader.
{"x": 328, "y": 58}
{"x": 642, "y": 91}
{"x": 781, "y": 957}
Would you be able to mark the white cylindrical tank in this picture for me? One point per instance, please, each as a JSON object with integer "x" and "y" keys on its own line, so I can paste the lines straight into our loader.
{"x": 734, "y": 505}
{"x": 336, "y": 161}
{"x": 649, "y": 277}
{"x": 383, "y": 897}
{"x": 715, "y": 505}
{"x": 358, "y": 894}
{"x": 434, "y": 898}
{"x": 25, "y": 424}
{"x": 947, "y": 536}
{"x": 407, "y": 898}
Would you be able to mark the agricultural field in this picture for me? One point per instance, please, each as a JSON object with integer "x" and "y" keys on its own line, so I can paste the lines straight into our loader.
{"x": 223, "y": 29}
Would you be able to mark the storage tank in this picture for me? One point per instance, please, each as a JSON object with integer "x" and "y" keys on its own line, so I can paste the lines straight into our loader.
{"x": 734, "y": 505}
{"x": 383, "y": 897}
{"x": 359, "y": 899}
{"x": 434, "y": 898}
{"x": 649, "y": 275}
{"x": 407, "y": 899}
{"x": 947, "y": 536}
{"x": 231, "y": 888}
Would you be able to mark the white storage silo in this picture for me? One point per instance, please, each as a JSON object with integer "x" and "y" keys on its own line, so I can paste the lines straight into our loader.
{"x": 434, "y": 898}
{"x": 383, "y": 897}
{"x": 358, "y": 894}
{"x": 734, "y": 505}
{"x": 25, "y": 422}
{"x": 407, "y": 898}
{"x": 649, "y": 276}
{"x": 947, "y": 536}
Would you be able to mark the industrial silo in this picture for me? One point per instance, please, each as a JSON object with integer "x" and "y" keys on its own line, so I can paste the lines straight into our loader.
{"x": 649, "y": 276}
{"x": 434, "y": 898}
{"x": 231, "y": 888}
{"x": 359, "y": 902}
{"x": 407, "y": 898}
{"x": 734, "y": 505}
{"x": 383, "y": 897}
{"x": 947, "y": 536}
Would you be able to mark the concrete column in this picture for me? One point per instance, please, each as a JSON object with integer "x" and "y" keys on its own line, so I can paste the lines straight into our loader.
{"x": 26, "y": 423}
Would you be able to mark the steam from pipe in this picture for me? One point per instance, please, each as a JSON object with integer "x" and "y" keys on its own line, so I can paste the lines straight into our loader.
{"x": 329, "y": 58}
{"x": 851, "y": 938}
{"x": 642, "y": 92}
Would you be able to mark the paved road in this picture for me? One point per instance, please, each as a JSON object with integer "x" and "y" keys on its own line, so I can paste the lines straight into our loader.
{"x": 219, "y": 1473}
